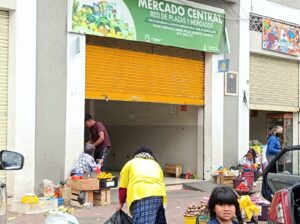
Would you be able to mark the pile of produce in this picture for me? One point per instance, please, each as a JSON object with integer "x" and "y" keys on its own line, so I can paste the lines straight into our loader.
{"x": 104, "y": 175}
{"x": 196, "y": 210}
{"x": 61, "y": 215}
{"x": 242, "y": 189}
{"x": 188, "y": 176}
{"x": 223, "y": 171}
{"x": 253, "y": 167}
{"x": 62, "y": 209}
{"x": 257, "y": 146}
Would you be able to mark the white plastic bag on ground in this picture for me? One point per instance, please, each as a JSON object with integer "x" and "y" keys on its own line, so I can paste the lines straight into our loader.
{"x": 48, "y": 188}
{"x": 60, "y": 218}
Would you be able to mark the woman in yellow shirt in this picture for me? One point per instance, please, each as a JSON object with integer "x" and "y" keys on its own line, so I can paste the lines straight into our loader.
{"x": 142, "y": 185}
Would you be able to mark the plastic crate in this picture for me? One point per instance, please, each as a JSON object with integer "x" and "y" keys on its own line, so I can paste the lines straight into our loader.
{"x": 60, "y": 201}
{"x": 108, "y": 183}
{"x": 43, "y": 206}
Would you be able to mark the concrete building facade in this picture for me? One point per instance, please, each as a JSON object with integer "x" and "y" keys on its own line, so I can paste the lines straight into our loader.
{"x": 47, "y": 103}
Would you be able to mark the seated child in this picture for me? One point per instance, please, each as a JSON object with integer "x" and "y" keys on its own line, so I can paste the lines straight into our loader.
{"x": 250, "y": 161}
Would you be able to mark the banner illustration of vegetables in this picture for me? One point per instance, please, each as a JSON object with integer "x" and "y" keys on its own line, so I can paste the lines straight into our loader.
{"x": 103, "y": 18}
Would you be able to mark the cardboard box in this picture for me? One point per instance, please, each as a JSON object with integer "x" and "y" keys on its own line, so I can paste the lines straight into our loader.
{"x": 85, "y": 185}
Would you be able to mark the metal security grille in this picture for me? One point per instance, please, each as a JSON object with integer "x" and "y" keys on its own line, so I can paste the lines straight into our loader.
{"x": 3, "y": 78}
{"x": 3, "y": 83}
{"x": 256, "y": 22}
{"x": 117, "y": 73}
{"x": 274, "y": 83}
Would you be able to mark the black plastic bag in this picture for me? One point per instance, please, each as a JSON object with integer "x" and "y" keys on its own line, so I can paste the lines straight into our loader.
{"x": 119, "y": 217}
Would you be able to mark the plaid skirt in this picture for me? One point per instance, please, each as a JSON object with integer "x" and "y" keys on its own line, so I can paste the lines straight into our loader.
{"x": 148, "y": 210}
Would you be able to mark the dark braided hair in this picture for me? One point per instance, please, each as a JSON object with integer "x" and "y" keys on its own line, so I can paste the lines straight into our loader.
{"x": 253, "y": 152}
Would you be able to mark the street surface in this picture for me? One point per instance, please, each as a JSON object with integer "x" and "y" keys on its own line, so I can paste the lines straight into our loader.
{"x": 177, "y": 203}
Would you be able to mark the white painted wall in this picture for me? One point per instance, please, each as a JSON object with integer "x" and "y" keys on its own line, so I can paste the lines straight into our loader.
{"x": 171, "y": 133}
{"x": 200, "y": 144}
{"x": 8, "y": 4}
{"x": 243, "y": 124}
{"x": 22, "y": 90}
{"x": 213, "y": 115}
{"x": 288, "y": 3}
{"x": 275, "y": 10}
{"x": 75, "y": 99}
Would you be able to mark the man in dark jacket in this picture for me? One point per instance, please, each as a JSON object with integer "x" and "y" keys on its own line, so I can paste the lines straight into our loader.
{"x": 99, "y": 138}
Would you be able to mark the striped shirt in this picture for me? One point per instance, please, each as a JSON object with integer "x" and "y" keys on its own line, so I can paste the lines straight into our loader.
{"x": 85, "y": 164}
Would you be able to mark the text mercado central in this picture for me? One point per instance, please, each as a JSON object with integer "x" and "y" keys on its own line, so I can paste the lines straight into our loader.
{"x": 181, "y": 10}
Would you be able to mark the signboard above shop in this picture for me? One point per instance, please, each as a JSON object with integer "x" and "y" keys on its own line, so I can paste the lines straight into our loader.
{"x": 175, "y": 23}
{"x": 280, "y": 37}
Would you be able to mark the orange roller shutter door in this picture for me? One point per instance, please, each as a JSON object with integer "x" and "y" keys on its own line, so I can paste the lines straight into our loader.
{"x": 126, "y": 75}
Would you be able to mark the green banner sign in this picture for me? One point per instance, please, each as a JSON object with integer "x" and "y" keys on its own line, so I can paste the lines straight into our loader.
{"x": 173, "y": 23}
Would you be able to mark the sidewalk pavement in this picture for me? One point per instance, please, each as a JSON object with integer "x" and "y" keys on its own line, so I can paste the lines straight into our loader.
{"x": 177, "y": 204}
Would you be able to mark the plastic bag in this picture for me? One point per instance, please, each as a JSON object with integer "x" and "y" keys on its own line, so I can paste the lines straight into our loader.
{"x": 60, "y": 218}
{"x": 119, "y": 217}
{"x": 48, "y": 188}
{"x": 248, "y": 208}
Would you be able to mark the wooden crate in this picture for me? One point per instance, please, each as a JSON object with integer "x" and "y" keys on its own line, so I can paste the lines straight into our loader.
{"x": 66, "y": 193}
{"x": 102, "y": 197}
{"x": 214, "y": 178}
{"x": 171, "y": 169}
{"x": 225, "y": 180}
{"x": 89, "y": 197}
{"x": 85, "y": 185}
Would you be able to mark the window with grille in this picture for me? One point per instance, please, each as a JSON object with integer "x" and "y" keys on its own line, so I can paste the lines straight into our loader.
{"x": 256, "y": 21}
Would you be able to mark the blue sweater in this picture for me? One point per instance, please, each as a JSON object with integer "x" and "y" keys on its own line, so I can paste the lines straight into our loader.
{"x": 215, "y": 221}
{"x": 273, "y": 147}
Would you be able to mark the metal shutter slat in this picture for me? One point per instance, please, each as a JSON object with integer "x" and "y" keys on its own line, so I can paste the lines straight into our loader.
{"x": 3, "y": 83}
{"x": 274, "y": 83}
{"x": 138, "y": 76}
{"x": 3, "y": 78}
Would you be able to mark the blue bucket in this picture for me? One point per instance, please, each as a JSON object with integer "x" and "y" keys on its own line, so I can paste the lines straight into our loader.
{"x": 60, "y": 201}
